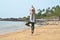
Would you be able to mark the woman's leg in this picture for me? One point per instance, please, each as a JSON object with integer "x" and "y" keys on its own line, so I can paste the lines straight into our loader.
{"x": 32, "y": 28}
{"x": 28, "y": 23}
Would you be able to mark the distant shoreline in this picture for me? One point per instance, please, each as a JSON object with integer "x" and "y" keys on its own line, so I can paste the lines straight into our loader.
{"x": 12, "y": 19}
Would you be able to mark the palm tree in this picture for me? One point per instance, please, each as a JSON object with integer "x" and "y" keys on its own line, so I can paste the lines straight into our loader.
{"x": 58, "y": 11}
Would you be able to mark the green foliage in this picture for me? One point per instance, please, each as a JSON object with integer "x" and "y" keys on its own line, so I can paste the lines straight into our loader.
{"x": 27, "y": 18}
{"x": 57, "y": 10}
{"x": 49, "y": 13}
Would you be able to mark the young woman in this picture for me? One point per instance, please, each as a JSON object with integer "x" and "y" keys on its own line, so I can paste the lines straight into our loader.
{"x": 32, "y": 19}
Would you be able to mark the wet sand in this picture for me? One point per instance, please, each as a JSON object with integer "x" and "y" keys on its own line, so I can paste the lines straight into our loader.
{"x": 45, "y": 32}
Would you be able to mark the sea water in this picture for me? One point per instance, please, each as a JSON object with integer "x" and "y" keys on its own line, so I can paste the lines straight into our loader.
{"x": 13, "y": 26}
{"x": 10, "y": 26}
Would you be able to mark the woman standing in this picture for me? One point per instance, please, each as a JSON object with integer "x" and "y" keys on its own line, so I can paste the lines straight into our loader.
{"x": 32, "y": 19}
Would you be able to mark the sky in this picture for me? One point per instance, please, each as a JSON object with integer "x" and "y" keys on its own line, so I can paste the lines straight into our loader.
{"x": 21, "y": 8}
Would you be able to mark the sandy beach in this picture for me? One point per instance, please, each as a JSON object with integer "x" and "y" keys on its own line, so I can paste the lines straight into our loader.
{"x": 45, "y": 32}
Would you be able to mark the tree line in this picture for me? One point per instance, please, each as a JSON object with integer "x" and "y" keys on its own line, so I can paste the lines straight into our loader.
{"x": 53, "y": 12}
